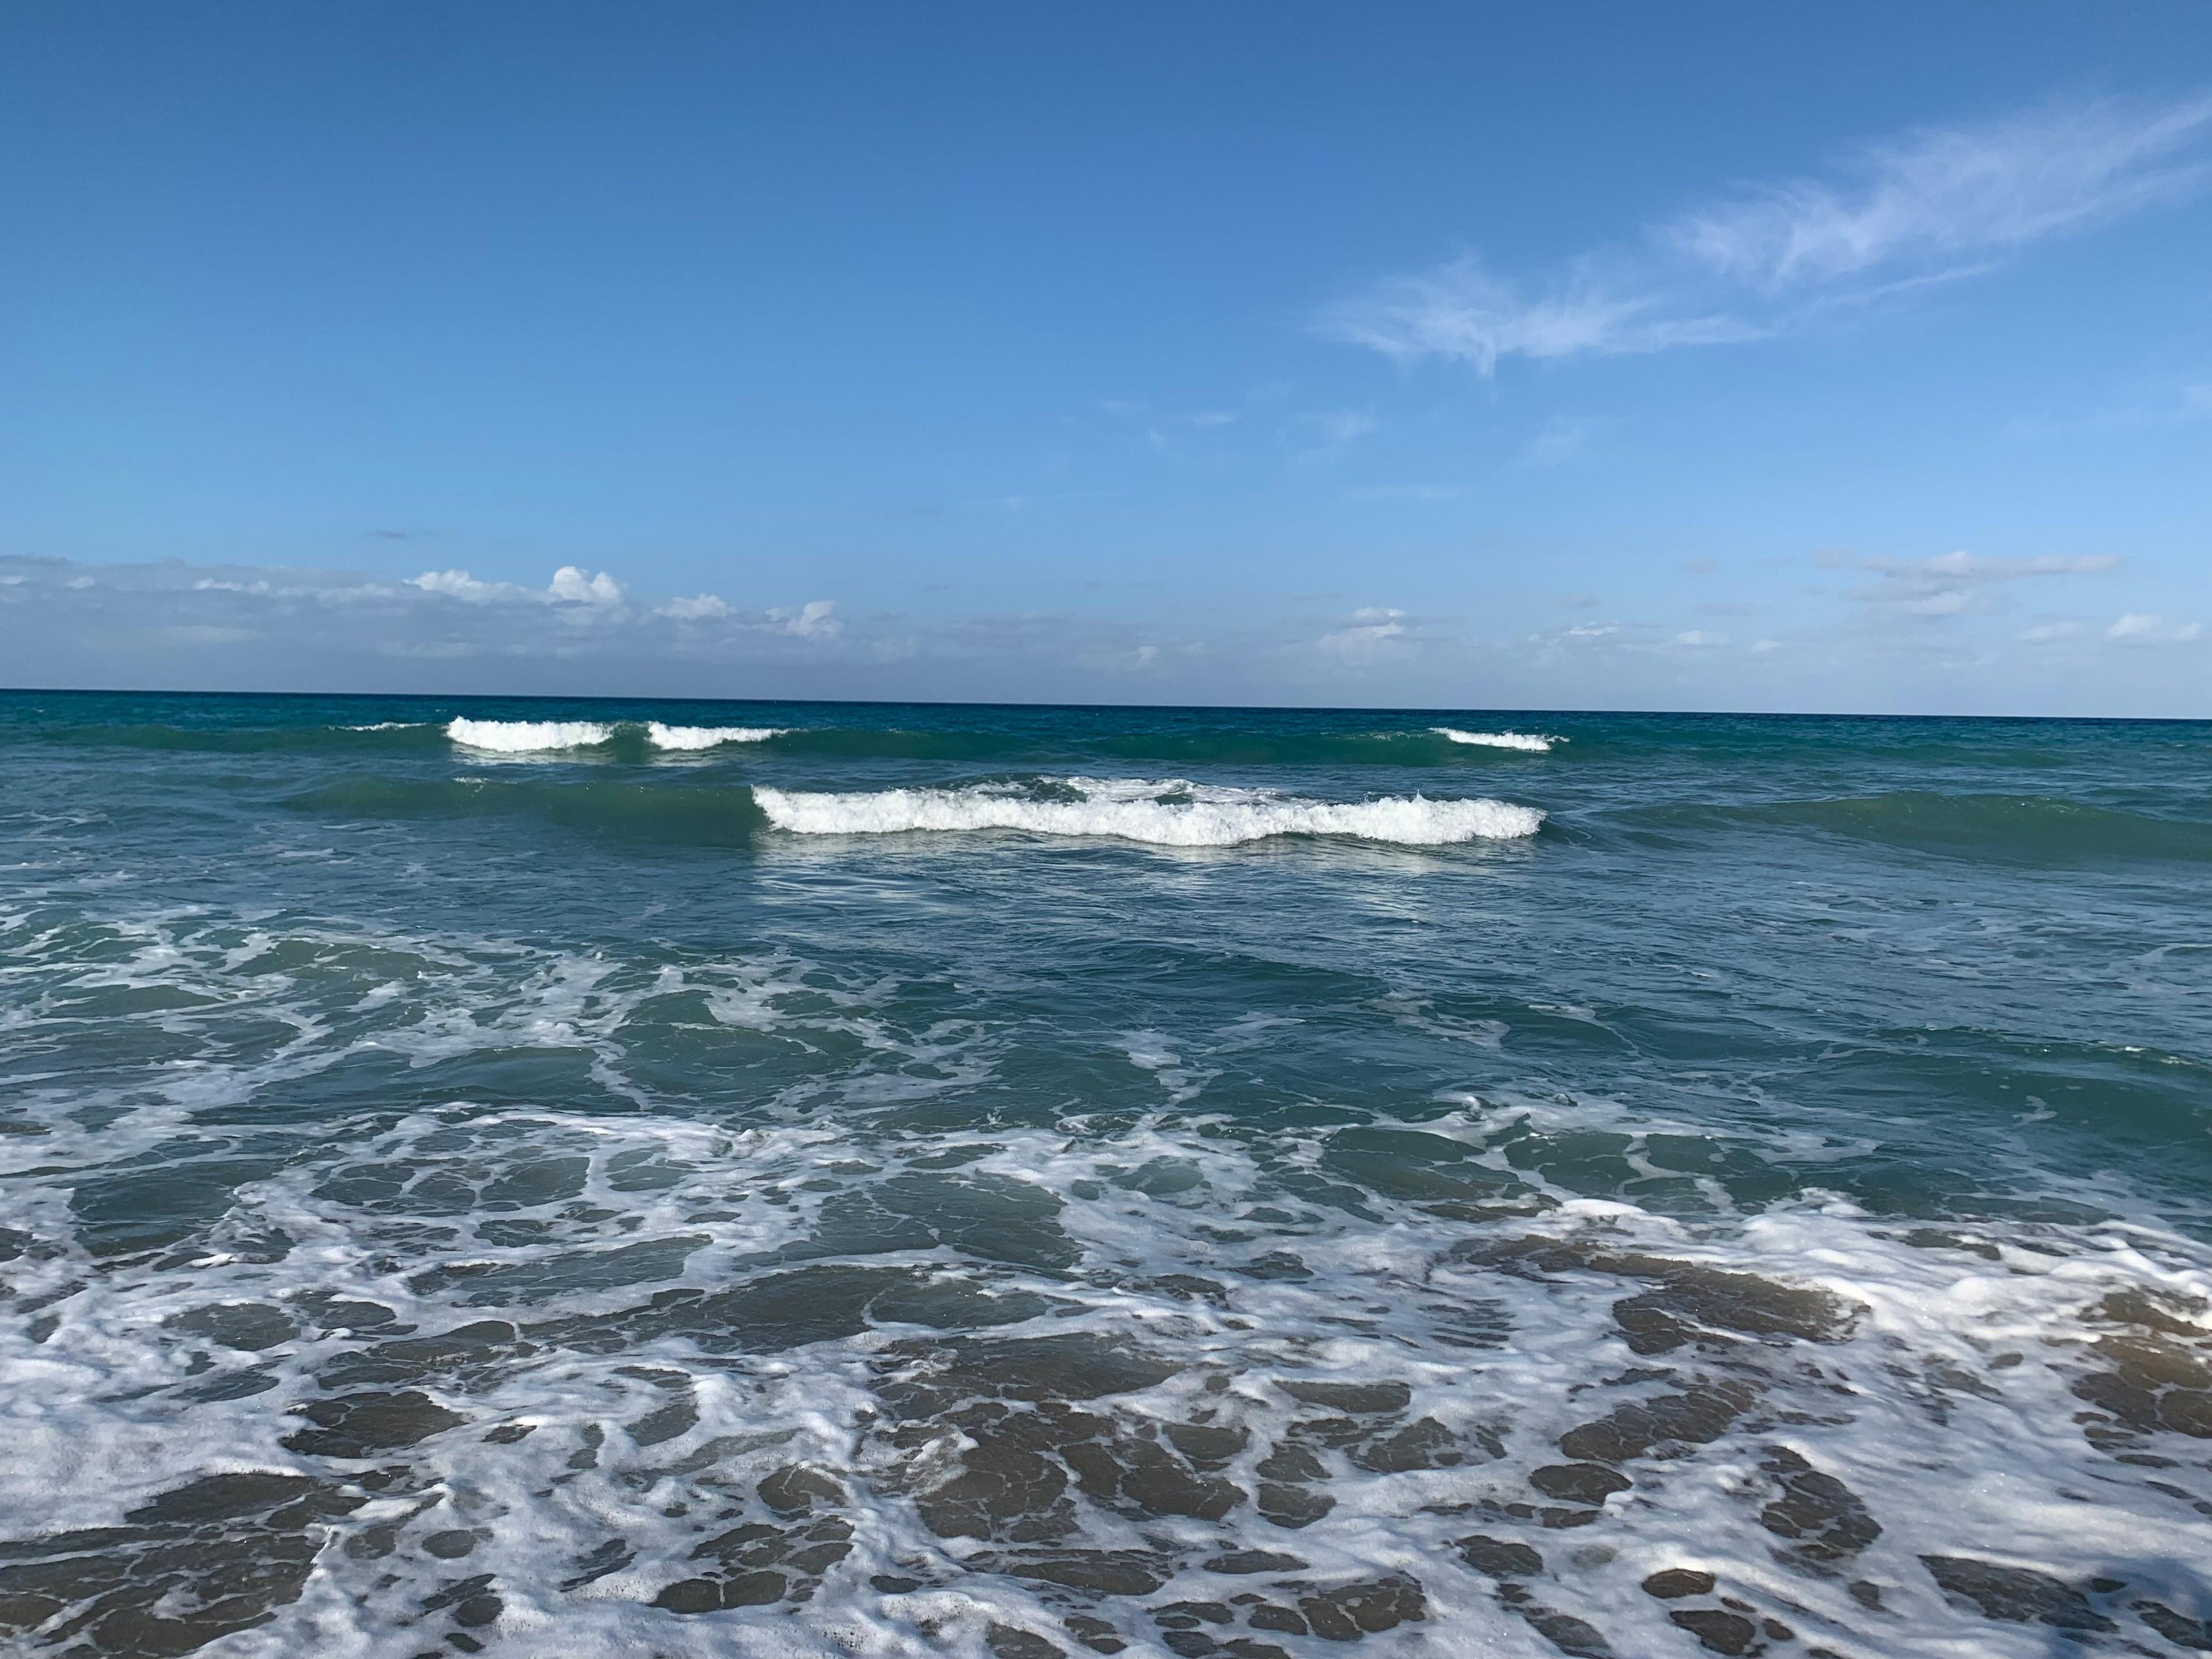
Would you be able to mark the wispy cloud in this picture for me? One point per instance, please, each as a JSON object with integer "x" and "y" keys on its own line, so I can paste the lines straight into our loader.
{"x": 1167, "y": 430}
{"x": 2140, "y": 628}
{"x": 697, "y": 607}
{"x": 1931, "y": 205}
{"x": 2183, "y": 406}
{"x": 1951, "y": 194}
{"x": 1951, "y": 584}
{"x": 1562, "y": 438}
{"x": 1368, "y": 630}
{"x": 1325, "y": 436}
{"x": 1461, "y": 311}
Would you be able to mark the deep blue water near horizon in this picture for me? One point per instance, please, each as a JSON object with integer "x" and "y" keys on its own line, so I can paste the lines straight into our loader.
{"x": 553, "y": 1177}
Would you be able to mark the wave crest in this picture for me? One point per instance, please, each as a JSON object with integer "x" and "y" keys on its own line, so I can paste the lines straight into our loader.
{"x": 527, "y": 737}
{"x": 1168, "y": 814}
{"x": 1528, "y": 741}
{"x": 706, "y": 737}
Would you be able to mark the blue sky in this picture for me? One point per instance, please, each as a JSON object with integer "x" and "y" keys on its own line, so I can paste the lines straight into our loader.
{"x": 1732, "y": 356}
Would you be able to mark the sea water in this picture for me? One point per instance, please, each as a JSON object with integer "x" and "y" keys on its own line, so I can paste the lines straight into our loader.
{"x": 664, "y": 1178}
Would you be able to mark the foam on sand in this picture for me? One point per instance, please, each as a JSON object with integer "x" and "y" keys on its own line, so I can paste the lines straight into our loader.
{"x": 1170, "y": 813}
{"x": 527, "y": 737}
{"x": 1528, "y": 741}
{"x": 706, "y": 737}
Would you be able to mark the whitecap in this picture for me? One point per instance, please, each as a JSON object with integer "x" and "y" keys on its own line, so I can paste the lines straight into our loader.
{"x": 706, "y": 737}
{"x": 1171, "y": 813}
{"x": 1528, "y": 741}
{"x": 527, "y": 737}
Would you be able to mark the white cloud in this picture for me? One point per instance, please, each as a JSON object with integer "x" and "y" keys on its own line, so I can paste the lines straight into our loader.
{"x": 570, "y": 586}
{"x": 269, "y": 629}
{"x": 439, "y": 615}
{"x": 1371, "y": 627}
{"x": 1929, "y": 206}
{"x": 460, "y": 585}
{"x": 311, "y": 589}
{"x": 698, "y": 608}
{"x": 2142, "y": 627}
{"x": 812, "y": 620}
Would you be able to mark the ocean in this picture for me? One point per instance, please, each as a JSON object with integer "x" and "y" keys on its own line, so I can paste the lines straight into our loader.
{"x": 660, "y": 1178}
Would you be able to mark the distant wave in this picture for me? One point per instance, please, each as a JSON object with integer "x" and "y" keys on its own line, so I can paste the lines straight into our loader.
{"x": 548, "y": 736}
{"x": 636, "y": 741}
{"x": 1524, "y": 740}
{"x": 1167, "y": 814}
{"x": 527, "y": 737}
{"x": 706, "y": 737}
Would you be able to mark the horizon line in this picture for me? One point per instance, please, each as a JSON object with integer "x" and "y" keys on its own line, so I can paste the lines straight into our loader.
{"x": 1165, "y": 708}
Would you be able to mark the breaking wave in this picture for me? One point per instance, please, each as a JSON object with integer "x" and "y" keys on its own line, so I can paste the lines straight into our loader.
{"x": 550, "y": 737}
{"x": 1172, "y": 813}
{"x": 632, "y": 739}
{"x": 527, "y": 737}
{"x": 706, "y": 737}
{"x": 1528, "y": 741}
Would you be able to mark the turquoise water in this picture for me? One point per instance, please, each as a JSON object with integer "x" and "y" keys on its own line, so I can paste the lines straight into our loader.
{"x": 752, "y": 1178}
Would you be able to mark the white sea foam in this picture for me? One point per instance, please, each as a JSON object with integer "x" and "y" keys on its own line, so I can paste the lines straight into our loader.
{"x": 1171, "y": 813}
{"x": 527, "y": 737}
{"x": 595, "y": 1459}
{"x": 389, "y": 726}
{"x": 706, "y": 737}
{"x": 1528, "y": 741}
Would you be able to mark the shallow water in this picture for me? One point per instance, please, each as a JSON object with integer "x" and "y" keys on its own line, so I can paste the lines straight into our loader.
{"x": 924, "y": 1180}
